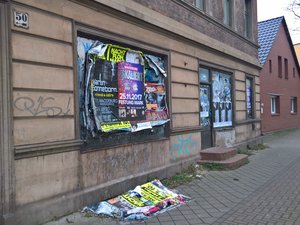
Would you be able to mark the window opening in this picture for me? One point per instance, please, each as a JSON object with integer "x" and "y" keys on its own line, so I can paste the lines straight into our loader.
{"x": 222, "y": 100}
{"x": 293, "y": 104}
{"x": 249, "y": 97}
{"x": 248, "y": 18}
{"x": 227, "y": 6}
{"x": 275, "y": 104}
{"x": 286, "y": 68}
{"x": 200, "y": 4}
{"x": 122, "y": 93}
{"x": 279, "y": 66}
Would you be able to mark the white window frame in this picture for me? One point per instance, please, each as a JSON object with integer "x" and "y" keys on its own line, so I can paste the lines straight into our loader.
{"x": 293, "y": 104}
{"x": 274, "y": 104}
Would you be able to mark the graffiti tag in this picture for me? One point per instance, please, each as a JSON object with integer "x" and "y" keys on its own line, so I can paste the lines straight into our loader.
{"x": 41, "y": 106}
{"x": 185, "y": 146}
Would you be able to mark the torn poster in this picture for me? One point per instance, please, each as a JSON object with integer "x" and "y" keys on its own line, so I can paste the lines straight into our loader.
{"x": 141, "y": 203}
{"x": 112, "y": 89}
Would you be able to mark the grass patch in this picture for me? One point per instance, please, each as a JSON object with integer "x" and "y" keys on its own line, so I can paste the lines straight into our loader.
{"x": 184, "y": 177}
{"x": 88, "y": 214}
{"x": 284, "y": 132}
{"x": 177, "y": 180}
{"x": 258, "y": 147}
{"x": 212, "y": 166}
{"x": 244, "y": 151}
{"x": 249, "y": 150}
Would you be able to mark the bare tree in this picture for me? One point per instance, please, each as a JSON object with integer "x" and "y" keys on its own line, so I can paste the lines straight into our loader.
{"x": 294, "y": 7}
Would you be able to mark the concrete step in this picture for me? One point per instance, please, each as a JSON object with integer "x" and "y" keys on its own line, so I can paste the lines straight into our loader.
{"x": 231, "y": 163}
{"x": 217, "y": 153}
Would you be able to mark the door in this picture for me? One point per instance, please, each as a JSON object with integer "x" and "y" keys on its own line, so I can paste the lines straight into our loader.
{"x": 205, "y": 116}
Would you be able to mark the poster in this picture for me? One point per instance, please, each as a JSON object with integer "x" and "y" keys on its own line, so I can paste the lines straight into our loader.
{"x": 104, "y": 87}
{"x": 131, "y": 91}
{"x": 112, "y": 92}
{"x": 155, "y": 97}
{"x": 222, "y": 104}
{"x": 249, "y": 97}
{"x": 204, "y": 106}
{"x": 123, "y": 125}
{"x": 140, "y": 203}
{"x": 204, "y": 102}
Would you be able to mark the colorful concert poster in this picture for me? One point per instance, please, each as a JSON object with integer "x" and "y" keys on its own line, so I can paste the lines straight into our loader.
{"x": 131, "y": 91}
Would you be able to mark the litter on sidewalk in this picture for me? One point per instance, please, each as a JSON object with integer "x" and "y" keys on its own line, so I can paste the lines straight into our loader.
{"x": 141, "y": 203}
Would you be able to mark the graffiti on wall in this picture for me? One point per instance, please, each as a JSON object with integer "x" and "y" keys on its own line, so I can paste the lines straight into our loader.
{"x": 185, "y": 145}
{"x": 41, "y": 106}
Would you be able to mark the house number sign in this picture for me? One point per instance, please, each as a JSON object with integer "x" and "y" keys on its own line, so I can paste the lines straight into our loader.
{"x": 21, "y": 19}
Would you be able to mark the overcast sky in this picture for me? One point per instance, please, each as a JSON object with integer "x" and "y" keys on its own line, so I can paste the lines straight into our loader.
{"x": 268, "y": 9}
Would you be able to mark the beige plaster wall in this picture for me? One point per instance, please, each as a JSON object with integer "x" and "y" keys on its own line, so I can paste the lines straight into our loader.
{"x": 247, "y": 132}
{"x": 45, "y": 176}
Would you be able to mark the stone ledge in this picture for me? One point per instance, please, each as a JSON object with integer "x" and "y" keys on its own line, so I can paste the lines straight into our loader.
{"x": 217, "y": 153}
{"x": 232, "y": 163}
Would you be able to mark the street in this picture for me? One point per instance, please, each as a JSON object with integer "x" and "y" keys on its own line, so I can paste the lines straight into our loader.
{"x": 265, "y": 191}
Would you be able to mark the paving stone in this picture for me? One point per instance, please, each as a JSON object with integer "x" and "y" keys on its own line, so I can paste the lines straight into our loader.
{"x": 167, "y": 223}
{"x": 164, "y": 218}
{"x": 265, "y": 191}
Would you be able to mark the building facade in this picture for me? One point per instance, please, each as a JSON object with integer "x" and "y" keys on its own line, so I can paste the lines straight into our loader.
{"x": 280, "y": 81}
{"x": 100, "y": 95}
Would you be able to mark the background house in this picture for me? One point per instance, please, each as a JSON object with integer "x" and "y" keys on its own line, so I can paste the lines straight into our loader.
{"x": 201, "y": 89}
{"x": 297, "y": 50}
{"x": 280, "y": 81}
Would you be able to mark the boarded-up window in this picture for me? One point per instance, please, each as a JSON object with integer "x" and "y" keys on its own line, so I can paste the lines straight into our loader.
{"x": 122, "y": 93}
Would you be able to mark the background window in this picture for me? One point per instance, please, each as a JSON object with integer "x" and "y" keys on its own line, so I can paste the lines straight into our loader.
{"x": 275, "y": 105}
{"x": 270, "y": 66}
{"x": 286, "y": 68}
{"x": 279, "y": 66}
{"x": 200, "y": 4}
{"x": 248, "y": 18}
{"x": 293, "y": 104}
{"x": 249, "y": 97}
{"x": 227, "y": 6}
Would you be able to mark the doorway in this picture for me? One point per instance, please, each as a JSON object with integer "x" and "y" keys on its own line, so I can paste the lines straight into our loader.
{"x": 205, "y": 109}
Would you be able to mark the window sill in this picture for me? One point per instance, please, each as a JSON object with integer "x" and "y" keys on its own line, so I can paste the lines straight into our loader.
{"x": 275, "y": 114}
{"x": 293, "y": 113}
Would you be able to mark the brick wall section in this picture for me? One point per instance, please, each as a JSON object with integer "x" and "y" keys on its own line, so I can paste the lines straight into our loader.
{"x": 271, "y": 83}
{"x": 190, "y": 16}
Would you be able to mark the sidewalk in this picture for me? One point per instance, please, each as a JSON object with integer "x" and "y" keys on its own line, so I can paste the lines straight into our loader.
{"x": 265, "y": 191}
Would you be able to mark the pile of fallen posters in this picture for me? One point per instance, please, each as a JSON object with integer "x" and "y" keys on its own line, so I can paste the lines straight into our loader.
{"x": 141, "y": 203}
{"x": 120, "y": 89}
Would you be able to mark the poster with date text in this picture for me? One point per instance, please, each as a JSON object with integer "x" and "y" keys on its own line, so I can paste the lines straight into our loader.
{"x": 131, "y": 91}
